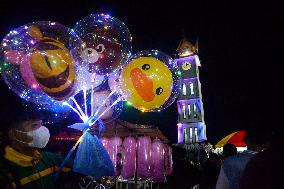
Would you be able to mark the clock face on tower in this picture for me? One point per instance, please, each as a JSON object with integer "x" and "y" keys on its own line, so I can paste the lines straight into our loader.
{"x": 186, "y": 65}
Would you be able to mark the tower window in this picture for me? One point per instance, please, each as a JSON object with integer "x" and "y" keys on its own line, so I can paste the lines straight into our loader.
{"x": 196, "y": 134}
{"x": 191, "y": 89}
{"x": 189, "y": 110}
{"x": 183, "y": 111}
{"x": 190, "y": 135}
{"x": 184, "y": 89}
{"x": 194, "y": 111}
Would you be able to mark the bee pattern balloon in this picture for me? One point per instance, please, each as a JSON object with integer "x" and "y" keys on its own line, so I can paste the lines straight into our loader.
{"x": 37, "y": 62}
{"x": 52, "y": 65}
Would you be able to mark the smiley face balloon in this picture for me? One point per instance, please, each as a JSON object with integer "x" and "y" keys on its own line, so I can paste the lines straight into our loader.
{"x": 150, "y": 81}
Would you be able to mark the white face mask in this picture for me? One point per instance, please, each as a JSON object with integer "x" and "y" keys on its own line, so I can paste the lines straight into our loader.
{"x": 40, "y": 137}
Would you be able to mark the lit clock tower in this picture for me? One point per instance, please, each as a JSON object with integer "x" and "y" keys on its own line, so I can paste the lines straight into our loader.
{"x": 191, "y": 125}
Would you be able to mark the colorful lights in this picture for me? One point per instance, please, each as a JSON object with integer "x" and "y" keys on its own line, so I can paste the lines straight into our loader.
{"x": 128, "y": 103}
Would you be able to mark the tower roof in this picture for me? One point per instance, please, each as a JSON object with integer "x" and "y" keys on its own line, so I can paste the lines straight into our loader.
{"x": 186, "y": 48}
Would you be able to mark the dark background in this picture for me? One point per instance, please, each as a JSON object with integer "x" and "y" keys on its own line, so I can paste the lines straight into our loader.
{"x": 240, "y": 50}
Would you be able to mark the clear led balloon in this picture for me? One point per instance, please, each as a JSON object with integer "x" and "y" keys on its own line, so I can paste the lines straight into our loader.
{"x": 114, "y": 80}
{"x": 87, "y": 80}
{"x": 38, "y": 63}
{"x": 102, "y": 102}
{"x": 107, "y": 43}
{"x": 150, "y": 80}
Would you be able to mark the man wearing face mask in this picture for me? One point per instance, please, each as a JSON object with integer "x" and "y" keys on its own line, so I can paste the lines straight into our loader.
{"x": 22, "y": 165}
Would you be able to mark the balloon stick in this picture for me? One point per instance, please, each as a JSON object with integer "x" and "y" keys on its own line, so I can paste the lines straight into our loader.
{"x": 67, "y": 104}
{"x": 85, "y": 101}
{"x": 107, "y": 109}
{"x": 92, "y": 94}
{"x": 78, "y": 107}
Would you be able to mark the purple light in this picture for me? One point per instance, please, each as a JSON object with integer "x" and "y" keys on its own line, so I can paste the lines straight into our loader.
{"x": 188, "y": 58}
{"x": 180, "y": 135}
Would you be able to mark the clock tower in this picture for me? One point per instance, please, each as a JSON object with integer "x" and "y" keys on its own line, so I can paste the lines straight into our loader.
{"x": 191, "y": 126}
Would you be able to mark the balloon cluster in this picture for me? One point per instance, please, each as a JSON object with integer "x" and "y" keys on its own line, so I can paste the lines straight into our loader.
{"x": 48, "y": 64}
{"x": 150, "y": 159}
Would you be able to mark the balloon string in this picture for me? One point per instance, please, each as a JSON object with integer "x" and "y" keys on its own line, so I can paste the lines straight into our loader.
{"x": 78, "y": 107}
{"x": 107, "y": 109}
{"x": 69, "y": 155}
{"x": 103, "y": 103}
{"x": 66, "y": 103}
{"x": 85, "y": 101}
{"x": 92, "y": 93}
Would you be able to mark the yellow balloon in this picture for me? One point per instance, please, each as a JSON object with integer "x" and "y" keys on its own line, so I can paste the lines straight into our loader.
{"x": 147, "y": 83}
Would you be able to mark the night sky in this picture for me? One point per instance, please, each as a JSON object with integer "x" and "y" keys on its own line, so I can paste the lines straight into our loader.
{"x": 238, "y": 48}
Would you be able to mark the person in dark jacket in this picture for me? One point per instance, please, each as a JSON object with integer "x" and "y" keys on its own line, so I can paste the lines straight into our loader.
{"x": 22, "y": 165}
{"x": 185, "y": 175}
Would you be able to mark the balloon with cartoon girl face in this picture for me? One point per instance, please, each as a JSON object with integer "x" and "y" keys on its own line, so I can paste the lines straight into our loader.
{"x": 107, "y": 43}
{"x": 150, "y": 81}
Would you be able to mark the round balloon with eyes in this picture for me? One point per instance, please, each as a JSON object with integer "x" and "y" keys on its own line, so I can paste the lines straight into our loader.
{"x": 38, "y": 63}
{"x": 150, "y": 81}
{"x": 107, "y": 43}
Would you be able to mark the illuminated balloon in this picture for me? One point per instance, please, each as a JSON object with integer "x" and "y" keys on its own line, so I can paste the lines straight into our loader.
{"x": 52, "y": 64}
{"x": 37, "y": 61}
{"x": 168, "y": 159}
{"x": 85, "y": 79}
{"x": 116, "y": 154}
{"x": 107, "y": 42}
{"x": 150, "y": 81}
{"x": 14, "y": 56}
{"x": 22, "y": 59}
{"x": 114, "y": 81}
{"x": 157, "y": 161}
{"x": 129, "y": 158}
{"x": 144, "y": 157}
{"x": 28, "y": 75}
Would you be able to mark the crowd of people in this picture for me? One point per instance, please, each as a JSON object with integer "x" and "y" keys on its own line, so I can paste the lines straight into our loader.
{"x": 24, "y": 164}
{"x": 259, "y": 166}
